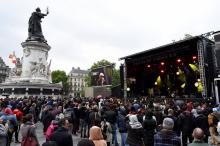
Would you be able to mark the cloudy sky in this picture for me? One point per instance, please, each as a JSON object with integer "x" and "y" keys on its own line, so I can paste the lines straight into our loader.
{"x": 81, "y": 32}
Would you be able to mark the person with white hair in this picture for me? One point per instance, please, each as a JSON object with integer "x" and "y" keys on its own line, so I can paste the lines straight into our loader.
{"x": 135, "y": 132}
{"x": 167, "y": 136}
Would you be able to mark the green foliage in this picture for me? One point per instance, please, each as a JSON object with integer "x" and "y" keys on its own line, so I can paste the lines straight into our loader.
{"x": 88, "y": 80}
{"x": 102, "y": 62}
{"x": 115, "y": 77}
{"x": 60, "y": 76}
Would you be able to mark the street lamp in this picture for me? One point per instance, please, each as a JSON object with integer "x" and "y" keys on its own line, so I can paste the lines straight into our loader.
{"x": 128, "y": 90}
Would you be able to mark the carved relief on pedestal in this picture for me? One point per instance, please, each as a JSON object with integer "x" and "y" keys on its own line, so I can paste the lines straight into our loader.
{"x": 27, "y": 52}
{"x": 38, "y": 68}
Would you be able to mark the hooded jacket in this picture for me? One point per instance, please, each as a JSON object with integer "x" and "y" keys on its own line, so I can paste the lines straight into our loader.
{"x": 95, "y": 134}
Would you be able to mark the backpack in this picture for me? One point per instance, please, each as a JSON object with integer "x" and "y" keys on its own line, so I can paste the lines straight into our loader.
{"x": 104, "y": 130}
{"x": 3, "y": 131}
{"x": 50, "y": 131}
{"x": 29, "y": 140}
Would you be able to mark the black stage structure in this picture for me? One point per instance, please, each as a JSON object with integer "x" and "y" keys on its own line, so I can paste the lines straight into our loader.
{"x": 185, "y": 68}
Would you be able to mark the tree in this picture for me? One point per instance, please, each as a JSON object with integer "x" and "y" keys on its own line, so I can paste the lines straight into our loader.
{"x": 115, "y": 74}
{"x": 115, "y": 77}
{"x": 60, "y": 76}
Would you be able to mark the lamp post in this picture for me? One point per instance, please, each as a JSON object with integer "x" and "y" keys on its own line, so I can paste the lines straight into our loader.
{"x": 128, "y": 92}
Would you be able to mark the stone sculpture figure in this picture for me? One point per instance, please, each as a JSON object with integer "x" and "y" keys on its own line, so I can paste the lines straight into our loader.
{"x": 34, "y": 29}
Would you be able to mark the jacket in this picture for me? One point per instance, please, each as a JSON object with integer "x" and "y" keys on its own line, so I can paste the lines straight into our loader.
{"x": 62, "y": 137}
{"x": 3, "y": 135}
{"x": 149, "y": 126}
{"x": 135, "y": 131}
{"x": 198, "y": 143}
{"x": 165, "y": 138}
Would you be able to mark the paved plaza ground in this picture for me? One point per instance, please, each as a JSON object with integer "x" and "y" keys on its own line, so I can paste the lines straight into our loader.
{"x": 41, "y": 137}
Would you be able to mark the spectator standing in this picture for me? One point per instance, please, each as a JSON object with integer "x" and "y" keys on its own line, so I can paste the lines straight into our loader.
{"x": 95, "y": 134}
{"x": 135, "y": 131}
{"x": 61, "y": 136}
{"x": 186, "y": 123}
{"x": 121, "y": 121}
{"x": 149, "y": 125}
{"x": 167, "y": 137}
{"x": 28, "y": 132}
{"x": 3, "y": 134}
{"x": 198, "y": 136}
{"x": 19, "y": 116}
{"x": 10, "y": 120}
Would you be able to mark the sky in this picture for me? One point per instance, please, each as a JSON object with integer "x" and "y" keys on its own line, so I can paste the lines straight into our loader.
{"x": 82, "y": 32}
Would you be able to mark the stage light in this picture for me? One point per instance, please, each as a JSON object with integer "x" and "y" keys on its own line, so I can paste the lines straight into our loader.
{"x": 161, "y": 71}
{"x": 199, "y": 80}
{"x": 200, "y": 88}
{"x": 193, "y": 67}
{"x": 158, "y": 81}
{"x": 128, "y": 89}
{"x": 162, "y": 63}
{"x": 179, "y": 71}
{"x": 178, "y": 60}
{"x": 155, "y": 83}
{"x": 196, "y": 84}
{"x": 183, "y": 85}
{"x": 194, "y": 57}
{"x": 148, "y": 66}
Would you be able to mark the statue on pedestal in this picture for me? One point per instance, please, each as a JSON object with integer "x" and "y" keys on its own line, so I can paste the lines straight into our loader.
{"x": 34, "y": 29}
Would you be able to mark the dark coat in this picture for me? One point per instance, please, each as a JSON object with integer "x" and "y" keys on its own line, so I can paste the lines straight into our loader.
{"x": 175, "y": 127}
{"x": 62, "y": 137}
{"x": 201, "y": 121}
{"x": 135, "y": 136}
{"x": 48, "y": 117}
{"x": 121, "y": 123}
{"x": 149, "y": 126}
{"x": 111, "y": 116}
{"x": 186, "y": 122}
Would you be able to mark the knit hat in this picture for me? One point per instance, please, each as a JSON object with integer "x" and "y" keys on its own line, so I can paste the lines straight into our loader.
{"x": 8, "y": 111}
{"x": 85, "y": 142}
{"x": 168, "y": 123}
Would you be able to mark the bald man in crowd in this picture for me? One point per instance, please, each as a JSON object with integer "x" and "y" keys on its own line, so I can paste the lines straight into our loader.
{"x": 198, "y": 136}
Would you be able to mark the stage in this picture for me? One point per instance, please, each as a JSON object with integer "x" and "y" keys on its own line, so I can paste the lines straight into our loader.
{"x": 184, "y": 68}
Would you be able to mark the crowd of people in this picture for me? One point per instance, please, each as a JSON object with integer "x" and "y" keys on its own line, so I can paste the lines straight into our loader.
{"x": 99, "y": 120}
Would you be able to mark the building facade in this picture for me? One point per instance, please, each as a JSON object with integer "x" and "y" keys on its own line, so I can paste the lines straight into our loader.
{"x": 4, "y": 70}
{"x": 77, "y": 81}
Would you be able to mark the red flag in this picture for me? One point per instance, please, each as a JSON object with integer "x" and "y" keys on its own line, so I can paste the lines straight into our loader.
{"x": 14, "y": 60}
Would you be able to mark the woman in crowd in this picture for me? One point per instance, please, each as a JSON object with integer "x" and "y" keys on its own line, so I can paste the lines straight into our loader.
{"x": 95, "y": 134}
{"x": 28, "y": 132}
{"x": 149, "y": 125}
{"x": 135, "y": 131}
{"x": 3, "y": 134}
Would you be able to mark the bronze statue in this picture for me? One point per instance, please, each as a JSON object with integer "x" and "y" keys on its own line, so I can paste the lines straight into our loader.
{"x": 34, "y": 29}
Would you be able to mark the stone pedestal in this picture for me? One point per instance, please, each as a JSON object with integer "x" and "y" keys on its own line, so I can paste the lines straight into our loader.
{"x": 34, "y": 63}
{"x": 35, "y": 77}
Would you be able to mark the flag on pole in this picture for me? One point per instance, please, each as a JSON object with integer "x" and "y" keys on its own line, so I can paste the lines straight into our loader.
{"x": 13, "y": 57}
